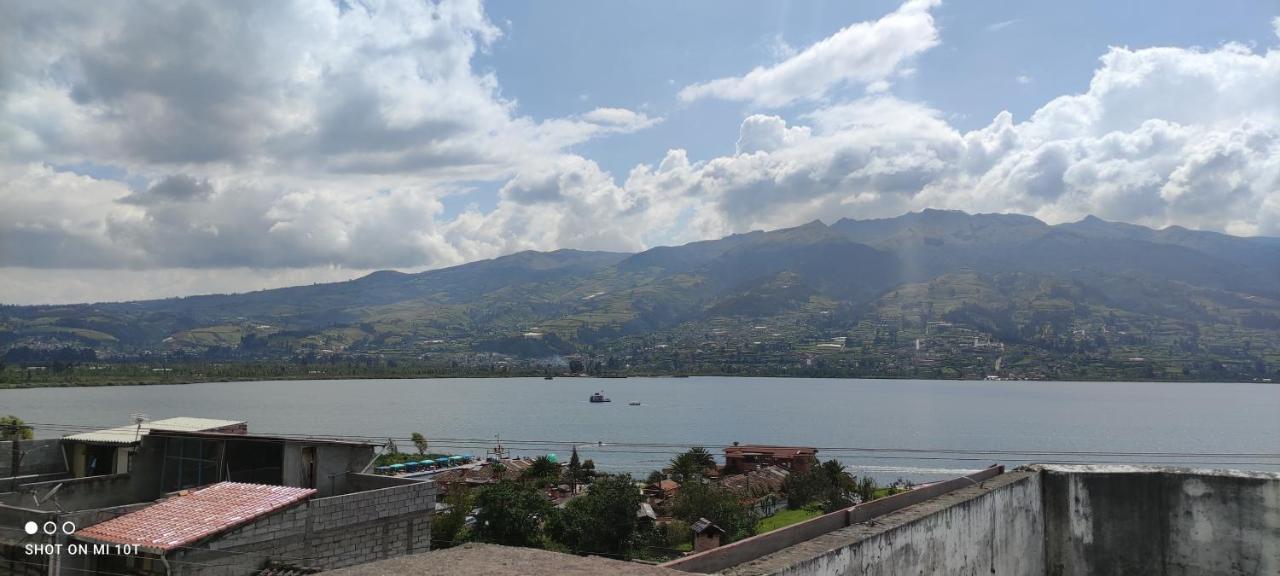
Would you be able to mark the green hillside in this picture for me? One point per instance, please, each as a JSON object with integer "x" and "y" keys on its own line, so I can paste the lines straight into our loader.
{"x": 928, "y": 294}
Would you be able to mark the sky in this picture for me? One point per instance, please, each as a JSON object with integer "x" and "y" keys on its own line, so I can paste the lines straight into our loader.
{"x": 163, "y": 148}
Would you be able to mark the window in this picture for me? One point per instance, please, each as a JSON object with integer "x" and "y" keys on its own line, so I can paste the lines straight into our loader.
{"x": 189, "y": 462}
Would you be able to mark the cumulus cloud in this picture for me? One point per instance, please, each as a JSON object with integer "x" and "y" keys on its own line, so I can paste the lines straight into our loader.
{"x": 861, "y": 53}
{"x": 298, "y": 135}
{"x": 335, "y": 134}
{"x": 1162, "y": 136}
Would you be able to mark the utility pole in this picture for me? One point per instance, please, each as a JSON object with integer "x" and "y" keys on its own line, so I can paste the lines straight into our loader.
{"x": 15, "y": 459}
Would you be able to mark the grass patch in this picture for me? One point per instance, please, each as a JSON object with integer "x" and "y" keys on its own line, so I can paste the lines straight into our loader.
{"x": 786, "y": 518}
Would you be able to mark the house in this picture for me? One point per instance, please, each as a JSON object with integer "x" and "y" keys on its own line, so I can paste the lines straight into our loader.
{"x": 706, "y": 535}
{"x": 760, "y": 489}
{"x": 739, "y": 459}
{"x": 111, "y": 451}
{"x": 214, "y": 501}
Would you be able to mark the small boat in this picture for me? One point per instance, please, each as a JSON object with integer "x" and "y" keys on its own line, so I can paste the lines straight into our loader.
{"x": 599, "y": 397}
{"x": 633, "y": 403}
{"x": 548, "y": 377}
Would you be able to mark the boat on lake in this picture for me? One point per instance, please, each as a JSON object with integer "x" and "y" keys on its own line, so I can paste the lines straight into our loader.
{"x": 599, "y": 397}
{"x": 634, "y": 403}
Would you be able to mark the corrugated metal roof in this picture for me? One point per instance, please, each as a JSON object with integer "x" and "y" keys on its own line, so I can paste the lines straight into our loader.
{"x": 183, "y": 520}
{"x": 132, "y": 433}
{"x": 703, "y": 525}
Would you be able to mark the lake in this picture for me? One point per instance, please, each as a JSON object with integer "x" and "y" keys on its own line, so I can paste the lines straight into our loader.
{"x": 913, "y": 420}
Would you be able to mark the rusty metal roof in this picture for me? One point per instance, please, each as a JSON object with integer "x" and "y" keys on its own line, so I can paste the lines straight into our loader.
{"x": 194, "y": 516}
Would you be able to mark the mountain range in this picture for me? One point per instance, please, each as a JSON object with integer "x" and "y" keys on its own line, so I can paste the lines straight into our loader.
{"x": 932, "y": 293}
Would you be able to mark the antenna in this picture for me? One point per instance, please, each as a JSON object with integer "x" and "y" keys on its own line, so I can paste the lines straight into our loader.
{"x": 49, "y": 496}
{"x": 138, "y": 420}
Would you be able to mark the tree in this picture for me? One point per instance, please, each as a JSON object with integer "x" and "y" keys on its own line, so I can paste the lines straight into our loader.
{"x": 867, "y": 489}
{"x": 447, "y": 528}
{"x": 691, "y": 465}
{"x": 827, "y": 485}
{"x": 13, "y": 428}
{"x": 576, "y": 366}
{"x": 575, "y": 469}
{"x": 511, "y": 514}
{"x": 839, "y": 486}
{"x": 698, "y": 500}
{"x": 601, "y": 522}
{"x": 419, "y": 442}
{"x": 541, "y": 472}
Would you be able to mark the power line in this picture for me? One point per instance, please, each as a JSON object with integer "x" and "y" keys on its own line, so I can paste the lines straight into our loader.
{"x": 862, "y": 452}
{"x": 600, "y": 444}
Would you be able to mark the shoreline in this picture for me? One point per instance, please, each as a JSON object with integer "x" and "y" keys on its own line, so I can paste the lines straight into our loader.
{"x": 430, "y": 376}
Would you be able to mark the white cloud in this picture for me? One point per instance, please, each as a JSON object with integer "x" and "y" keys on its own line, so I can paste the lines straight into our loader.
{"x": 1024, "y": 79}
{"x": 620, "y": 119}
{"x": 1162, "y": 136}
{"x": 1275, "y": 25}
{"x": 862, "y": 53}
{"x": 340, "y": 134}
{"x": 292, "y": 136}
{"x": 1001, "y": 25}
{"x": 760, "y": 133}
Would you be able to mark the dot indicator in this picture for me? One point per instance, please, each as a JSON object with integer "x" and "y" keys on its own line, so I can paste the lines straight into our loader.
{"x": 31, "y": 528}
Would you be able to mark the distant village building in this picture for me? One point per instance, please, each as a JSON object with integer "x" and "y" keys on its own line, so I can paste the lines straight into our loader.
{"x": 739, "y": 459}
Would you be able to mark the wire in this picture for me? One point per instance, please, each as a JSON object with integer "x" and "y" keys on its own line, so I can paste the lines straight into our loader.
{"x": 661, "y": 448}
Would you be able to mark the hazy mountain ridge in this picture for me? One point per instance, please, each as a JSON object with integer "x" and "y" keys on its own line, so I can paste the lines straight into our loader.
{"x": 1010, "y": 278}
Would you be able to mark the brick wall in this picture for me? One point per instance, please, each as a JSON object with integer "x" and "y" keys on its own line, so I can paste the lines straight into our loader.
{"x": 323, "y": 532}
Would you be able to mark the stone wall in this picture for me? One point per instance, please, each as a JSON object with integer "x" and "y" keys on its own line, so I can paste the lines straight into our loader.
{"x": 1145, "y": 521}
{"x": 324, "y": 533}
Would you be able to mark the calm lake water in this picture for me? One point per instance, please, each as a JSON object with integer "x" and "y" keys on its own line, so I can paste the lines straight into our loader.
{"x": 536, "y": 416}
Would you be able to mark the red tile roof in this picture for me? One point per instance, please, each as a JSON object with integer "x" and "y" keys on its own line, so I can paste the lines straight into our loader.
{"x": 185, "y": 519}
{"x": 780, "y": 452}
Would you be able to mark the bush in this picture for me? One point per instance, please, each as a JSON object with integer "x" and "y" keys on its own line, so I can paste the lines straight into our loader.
{"x": 697, "y": 500}
{"x": 510, "y": 513}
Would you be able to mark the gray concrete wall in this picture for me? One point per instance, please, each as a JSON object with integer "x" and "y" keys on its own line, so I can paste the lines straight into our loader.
{"x": 75, "y": 493}
{"x": 1144, "y": 521}
{"x": 324, "y": 533}
{"x": 38, "y": 457}
{"x": 333, "y": 462}
{"x": 993, "y": 528}
{"x": 770, "y": 542}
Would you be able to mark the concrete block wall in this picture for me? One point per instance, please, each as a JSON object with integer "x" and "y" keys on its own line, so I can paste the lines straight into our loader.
{"x": 324, "y": 532}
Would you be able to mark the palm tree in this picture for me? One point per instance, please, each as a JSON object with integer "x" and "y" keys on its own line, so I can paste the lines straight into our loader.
{"x": 841, "y": 486}
{"x": 542, "y": 471}
{"x": 692, "y": 464}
